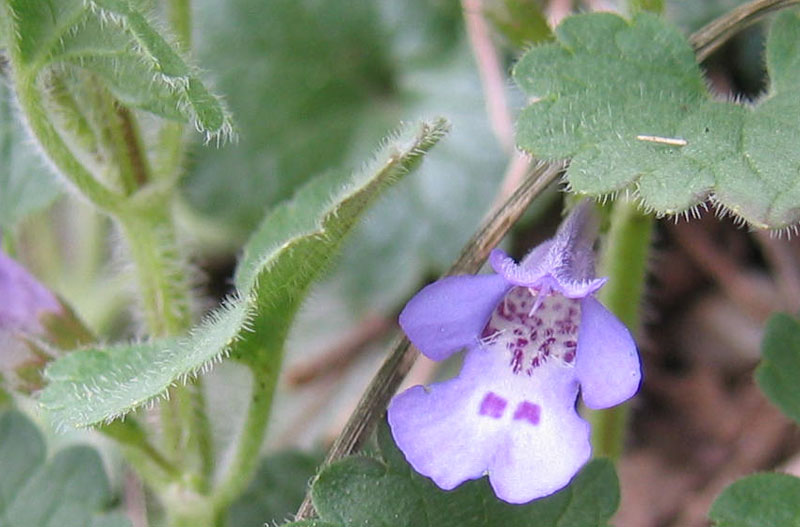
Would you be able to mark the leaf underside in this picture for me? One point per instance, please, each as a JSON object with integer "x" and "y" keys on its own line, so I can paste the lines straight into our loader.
{"x": 115, "y": 41}
{"x": 290, "y": 249}
{"x": 627, "y": 102}
{"x": 361, "y": 491}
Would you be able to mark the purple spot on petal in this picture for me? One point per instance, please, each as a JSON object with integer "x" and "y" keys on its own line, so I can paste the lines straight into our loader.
{"x": 493, "y": 405}
{"x": 529, "y": 412}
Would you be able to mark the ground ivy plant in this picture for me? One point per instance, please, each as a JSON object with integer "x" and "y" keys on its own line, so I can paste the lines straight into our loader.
{"x": 105, "y": 111}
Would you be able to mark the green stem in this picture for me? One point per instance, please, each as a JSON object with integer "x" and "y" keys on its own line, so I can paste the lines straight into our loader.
{"x": 244, "y": 464}
{"x": 624, "y": 261}
{"x": 202, "y": 435}
{"x": 131, "y": 435}
{"x": 32, "y": 106}
{"x": 171, "y": 136}
{"x": 164, "y": 290}
{"x": 161, "y": 271}
{"x": 179, "y": 15}
{"x": 169, "y": 159}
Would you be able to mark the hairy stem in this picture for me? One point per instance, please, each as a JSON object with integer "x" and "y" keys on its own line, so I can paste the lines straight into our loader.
{"x": 164, "y": 291}
{"x": 624, "y": 261}
{"x": 179, "y": 15}
{"x": 170, "y": 160}
{"x": 384, "y": 384}
{"x": 163, "y": 284}
{"x": 171, "y": 136}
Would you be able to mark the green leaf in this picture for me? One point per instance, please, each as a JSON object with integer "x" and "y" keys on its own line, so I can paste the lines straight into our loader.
{"x": 291, "y": 248}
{"x": 69, "y": 490}
{"x": 760, "y": 500}
{"x": 299, "y": 75}
{"x": 296, "y": 242}
{"x": 608, "y": 84}
{"x": 779, "y": 371}
{"x": 276, "y": 490}
{"x": 94, "y": 385}
{"x": 26, "y": 185}
{"x": 361, "y": 491}
{"x": 114, "y": 40}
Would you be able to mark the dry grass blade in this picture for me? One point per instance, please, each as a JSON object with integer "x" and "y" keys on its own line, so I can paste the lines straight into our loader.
{"x": 717, "y": 32}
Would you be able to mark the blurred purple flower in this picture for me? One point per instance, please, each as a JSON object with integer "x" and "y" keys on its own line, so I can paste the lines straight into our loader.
{"x": 23, "y": 299}
{"x": 534, "y": 335}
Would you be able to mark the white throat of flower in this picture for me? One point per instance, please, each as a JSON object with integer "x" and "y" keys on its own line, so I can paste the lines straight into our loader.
{"x": 533, "y": 328}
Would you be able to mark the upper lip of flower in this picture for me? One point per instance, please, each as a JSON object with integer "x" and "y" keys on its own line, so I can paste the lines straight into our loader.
{"x": 545, "y": 276}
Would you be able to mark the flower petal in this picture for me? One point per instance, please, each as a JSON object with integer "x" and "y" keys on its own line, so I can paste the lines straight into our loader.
{"x": 451, "y": 313}
{"x": 529, "y": 275}
{"x": 536, "y": 461}
{"x": 607, "y": 363}
{"x": 23, "y": 299}
{"x": 522, "y": 430}
{"x": 441, "y": 432}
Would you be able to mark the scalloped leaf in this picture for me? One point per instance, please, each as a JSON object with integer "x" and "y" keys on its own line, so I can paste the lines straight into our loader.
{"x": 361, "y": 491}
{"x": 69, "y": 489}
{"x": 293, "y": 245}
{"x": 114, "y": 40}
{"x": 627, "y": 102}
{"x": 759, "y": 500}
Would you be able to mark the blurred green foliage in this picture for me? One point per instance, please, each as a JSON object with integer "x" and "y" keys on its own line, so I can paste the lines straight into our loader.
{"x": 311, "y": 85}
{"x": 276, "y": 490}
{"x": 68, "y": 490}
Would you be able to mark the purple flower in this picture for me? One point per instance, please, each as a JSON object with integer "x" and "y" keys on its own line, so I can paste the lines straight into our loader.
{"x": 534, "y": 335}
{"x": 23, "y": 299}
